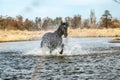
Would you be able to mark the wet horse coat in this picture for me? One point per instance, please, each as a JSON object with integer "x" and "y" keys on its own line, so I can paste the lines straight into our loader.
{"x": 54, "y": 40}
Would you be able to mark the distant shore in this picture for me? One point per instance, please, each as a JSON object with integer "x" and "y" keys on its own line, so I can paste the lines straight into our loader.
{"x": 115, "y": 40}
{"x": 12, "y": 35}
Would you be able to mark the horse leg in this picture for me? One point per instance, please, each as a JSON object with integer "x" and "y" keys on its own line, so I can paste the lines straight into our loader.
{"x": 50, "y": 51}
{"x": 41, "y": 45}
{"x": 62, "y": 49}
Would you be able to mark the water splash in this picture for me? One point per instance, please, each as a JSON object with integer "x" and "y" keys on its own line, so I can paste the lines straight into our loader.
{"x": 70, "y": 49}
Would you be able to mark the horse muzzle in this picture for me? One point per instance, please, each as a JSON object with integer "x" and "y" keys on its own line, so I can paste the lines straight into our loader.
{"x": 65, "y": 35}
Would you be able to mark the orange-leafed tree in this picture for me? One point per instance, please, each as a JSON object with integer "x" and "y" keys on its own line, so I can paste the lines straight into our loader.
{"x": 76, "y": 21}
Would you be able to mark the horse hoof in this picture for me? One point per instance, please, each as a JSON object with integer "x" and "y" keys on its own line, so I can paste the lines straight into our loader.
{"x": 61, "y": 52}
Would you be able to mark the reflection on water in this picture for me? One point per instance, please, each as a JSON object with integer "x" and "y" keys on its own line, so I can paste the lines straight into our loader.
{"x": 25, "y": 61}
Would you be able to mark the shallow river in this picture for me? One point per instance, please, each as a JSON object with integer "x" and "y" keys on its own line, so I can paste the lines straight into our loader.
{"x": 83, "y": 59}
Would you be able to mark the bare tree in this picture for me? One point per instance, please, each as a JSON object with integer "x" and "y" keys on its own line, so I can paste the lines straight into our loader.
{"x": 46, "y": 23}
{"x": 106, "y": 18}
{"x": 29, "y": 25}
{"x": 117, "y": 1}
{"x": 86, "y": 23}
{"x": 57, "y": 20}
{"x": 68, "y": 19}
{"x": 92, "y": 18}
{"x": 19, "y": 20}
{"x": 115, "y": 23}
{"x": 38, "y": 23}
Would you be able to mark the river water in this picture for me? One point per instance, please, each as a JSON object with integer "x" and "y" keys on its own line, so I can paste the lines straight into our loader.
{"x": 82, "y": 59}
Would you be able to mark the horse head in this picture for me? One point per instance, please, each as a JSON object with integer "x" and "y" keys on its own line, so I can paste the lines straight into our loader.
{"x": 64, "y": 28}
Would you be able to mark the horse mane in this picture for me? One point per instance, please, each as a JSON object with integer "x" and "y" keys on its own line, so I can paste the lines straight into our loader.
{"x": 59, "y": 30}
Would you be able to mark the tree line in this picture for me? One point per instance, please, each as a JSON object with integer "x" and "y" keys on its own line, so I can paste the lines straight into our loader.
{"x": 18, "y": 23}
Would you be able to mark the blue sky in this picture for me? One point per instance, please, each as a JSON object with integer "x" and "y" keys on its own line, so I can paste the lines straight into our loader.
{"x": 53, "y": 8}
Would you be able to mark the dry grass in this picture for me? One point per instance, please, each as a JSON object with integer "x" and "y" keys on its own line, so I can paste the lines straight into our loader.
{"x": 94, "y": 32}
{"x": 6, "y": 36}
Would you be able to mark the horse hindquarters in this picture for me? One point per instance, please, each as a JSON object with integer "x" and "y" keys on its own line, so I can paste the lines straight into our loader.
{"x": 46, "y": 42}
{"x": 52, "y": 41}
{"x": 44, "y": 47}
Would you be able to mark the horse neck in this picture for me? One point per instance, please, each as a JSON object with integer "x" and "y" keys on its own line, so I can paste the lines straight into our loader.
{"x": 59, "y": 32}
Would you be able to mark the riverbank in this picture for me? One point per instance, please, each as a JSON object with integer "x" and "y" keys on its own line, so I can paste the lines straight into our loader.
{"x": 110, "y": 32}
{"x": 115, "y": 40}
{"x": 9, "y": 36}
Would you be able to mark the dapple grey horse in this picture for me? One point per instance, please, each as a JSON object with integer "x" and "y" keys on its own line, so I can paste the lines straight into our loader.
{"x": 54, "y": 40}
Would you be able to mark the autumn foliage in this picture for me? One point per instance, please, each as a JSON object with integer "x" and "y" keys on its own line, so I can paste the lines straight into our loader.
{"x": 19, "y": 23}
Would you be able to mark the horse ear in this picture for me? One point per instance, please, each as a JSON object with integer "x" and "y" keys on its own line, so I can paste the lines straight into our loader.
{"x": 61, "y": 22}
{"x": 67, "y": 24}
